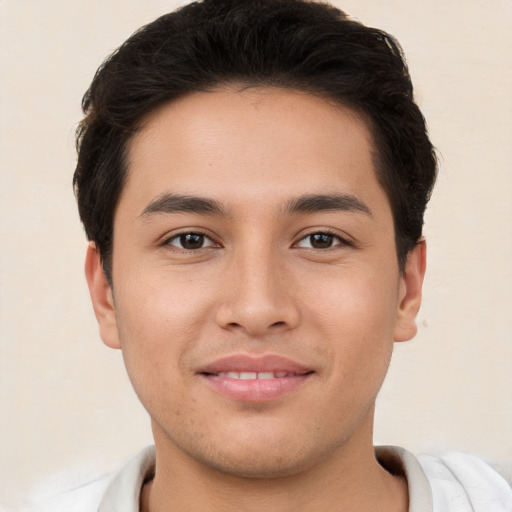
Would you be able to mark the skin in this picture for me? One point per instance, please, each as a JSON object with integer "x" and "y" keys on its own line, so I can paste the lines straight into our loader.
{"x": 259, "y": 284}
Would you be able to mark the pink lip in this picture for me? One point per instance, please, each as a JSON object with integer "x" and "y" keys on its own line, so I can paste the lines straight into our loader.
{"x": 248, "y": 363}
{"x": 255, "y": 390}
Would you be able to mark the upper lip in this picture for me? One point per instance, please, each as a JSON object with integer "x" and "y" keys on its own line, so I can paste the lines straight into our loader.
{"x": 250, "y": 363}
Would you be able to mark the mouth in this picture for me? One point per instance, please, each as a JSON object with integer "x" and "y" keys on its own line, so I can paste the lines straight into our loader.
{"x": 255, "y": 379}
{"x": 254, "y": 375}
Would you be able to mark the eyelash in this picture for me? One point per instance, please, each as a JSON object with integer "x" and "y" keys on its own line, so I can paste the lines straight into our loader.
{"x": 340, "y": 241}
{"x": 325, "y": 232}
{"x": 178, "y": 236}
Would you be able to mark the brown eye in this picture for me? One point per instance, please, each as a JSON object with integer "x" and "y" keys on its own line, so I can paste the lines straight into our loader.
{"x": 191, "y": 241}
{"x": 320, "y": 241}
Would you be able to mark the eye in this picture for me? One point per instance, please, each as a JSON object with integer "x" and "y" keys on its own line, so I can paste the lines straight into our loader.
{"x": 320, "y": 241}
{"x": 191, "y": 241}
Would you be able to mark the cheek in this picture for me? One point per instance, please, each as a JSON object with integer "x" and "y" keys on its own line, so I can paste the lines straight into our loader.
{"x": 159, "y": 320}
{"x": 363, "y": 300}
{"x": 356, "y": 313}
{"x": 161, "y": 307}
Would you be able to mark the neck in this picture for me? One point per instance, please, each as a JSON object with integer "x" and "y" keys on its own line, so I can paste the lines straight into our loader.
{"x": 350, "y": 479}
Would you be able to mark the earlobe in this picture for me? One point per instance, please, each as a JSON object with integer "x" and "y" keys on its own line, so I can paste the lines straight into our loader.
{"x": 410, "y": 292}
{"x": 102, "y": 297}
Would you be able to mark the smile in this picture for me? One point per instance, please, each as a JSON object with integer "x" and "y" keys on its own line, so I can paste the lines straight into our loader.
{"x": 255, "y": 375}
{"x": 247, "y": 378}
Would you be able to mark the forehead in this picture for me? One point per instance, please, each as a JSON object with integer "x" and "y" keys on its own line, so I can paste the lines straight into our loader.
{"x": 251, "y": 144}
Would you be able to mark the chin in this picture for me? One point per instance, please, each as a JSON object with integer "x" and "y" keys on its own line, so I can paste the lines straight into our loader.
{"x": 258, "y": 455}
{"x": 266, "y": 465}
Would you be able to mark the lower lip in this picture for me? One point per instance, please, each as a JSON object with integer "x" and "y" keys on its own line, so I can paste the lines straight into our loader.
{"x": 255, "y": 390}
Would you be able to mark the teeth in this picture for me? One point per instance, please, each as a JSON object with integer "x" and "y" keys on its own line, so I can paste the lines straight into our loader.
{"x": 252, "y": 375}
{"x": 248, "y": 375}
{"x": 266, "y": 375}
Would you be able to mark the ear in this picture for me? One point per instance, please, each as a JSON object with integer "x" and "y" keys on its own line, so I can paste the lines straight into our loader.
{"x": 102, "y": 297}
{"x": 411, "y": 283}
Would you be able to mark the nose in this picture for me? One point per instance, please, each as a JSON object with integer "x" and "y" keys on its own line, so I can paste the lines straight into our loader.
{"x": 259, "y": 298}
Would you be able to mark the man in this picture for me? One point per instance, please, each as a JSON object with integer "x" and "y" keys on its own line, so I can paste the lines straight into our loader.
{"x": 252, "y": 176}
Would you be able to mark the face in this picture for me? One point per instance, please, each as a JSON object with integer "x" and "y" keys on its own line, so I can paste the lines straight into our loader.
{"x": 256, "y": 292}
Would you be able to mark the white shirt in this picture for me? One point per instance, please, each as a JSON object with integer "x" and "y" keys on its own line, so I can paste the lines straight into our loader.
{"x": 453, "y": 482}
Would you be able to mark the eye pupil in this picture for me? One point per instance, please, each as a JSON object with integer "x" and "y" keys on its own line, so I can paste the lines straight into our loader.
{"x": 321, "y": 240}
{"x": 192, "y": 241}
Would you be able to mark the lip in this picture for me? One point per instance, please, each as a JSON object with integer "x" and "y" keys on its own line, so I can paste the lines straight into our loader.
{"x": 250, "y": 363}
{"x": 292, "y": 375}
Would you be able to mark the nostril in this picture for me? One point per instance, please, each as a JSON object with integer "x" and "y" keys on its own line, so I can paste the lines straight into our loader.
{"x": 256, "y": 318}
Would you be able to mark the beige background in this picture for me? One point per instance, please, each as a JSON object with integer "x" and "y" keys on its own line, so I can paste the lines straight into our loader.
{"x": 65, "y": 400}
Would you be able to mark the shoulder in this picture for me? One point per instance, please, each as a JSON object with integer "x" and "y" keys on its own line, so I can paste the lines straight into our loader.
{"x": 448, "y": 481}
{"x": 84, "y": 491}
{"x": 67, "y": 492}
{"x": 459, "y": 481}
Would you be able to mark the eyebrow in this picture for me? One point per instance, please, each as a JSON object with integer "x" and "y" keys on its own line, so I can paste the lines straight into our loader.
{"x": 311, "y": 203}
{"x": 314, "y": 203}
{"x": 176, "y": 203}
